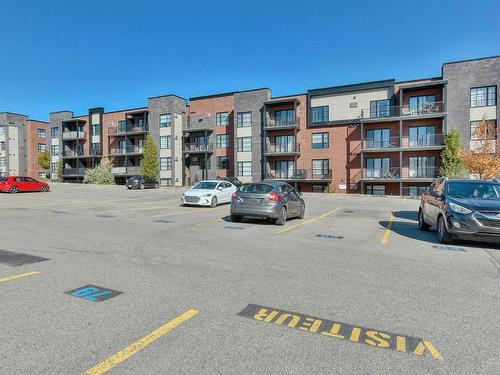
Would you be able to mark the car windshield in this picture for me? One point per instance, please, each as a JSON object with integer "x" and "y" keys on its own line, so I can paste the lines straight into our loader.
{"x": 474, "y": 190}
{"x": 134, "y": 178}
{"x": 205, "y": 185}
{"x": 256, "y": 188}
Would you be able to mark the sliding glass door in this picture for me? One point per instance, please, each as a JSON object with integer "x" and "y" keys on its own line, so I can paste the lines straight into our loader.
{"x": 422, "y": 136}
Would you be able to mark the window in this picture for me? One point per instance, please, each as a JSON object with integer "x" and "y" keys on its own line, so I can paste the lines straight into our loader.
{"x": 41, "y": 174}
{"x": 95, "y": 149}
{"x": 54, "y": 150}
{"x": 285, "y": 117}
{"x": 244, "y": 144}
{"x": 422, "y": 166}
{"x": 285, "y": 143}
{"x": 475, "y": 135}
{"x": 320, "y": 114}
{"x": 166, "y": 181}
{"x": 284, "y": 169}
{"x": 42, "y": 147}
{"x": 54, "y": 132}
{"x": 165, "y": 141}
{"x": 378, "y": 138}
{"x": 122, "y": 126}
{"x": 166, "y": 164}
{"x": 380, "y": 108}
{"x": 222, "y": 118}
{"x": 53, "y": 168}
{"x": 244, "y": 119}
{"x": 320, "y": 167}
{"x": 41, "y": 133}
{"x": 2, "y": 162}
{"x": 222, "y": 162}
{"x": 422, "y": 104}
{"x": 165, "y": 120}
{"x": 375, "y": 189}
{"x": 244, "y": 168}
{"x": 422, "y": 136}
{"x": 320, "y": 140}
{"x": 222, "y": 140}
{"x": 378, "y": 168}
{"x": 2, "y": 130}
{"x": 96, "y": 129}
{"x": 2, "y": 146}
{"x": 483, "y": 96}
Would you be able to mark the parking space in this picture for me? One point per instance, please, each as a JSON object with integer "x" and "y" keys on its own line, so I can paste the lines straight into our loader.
{"x": 96, "y": 279}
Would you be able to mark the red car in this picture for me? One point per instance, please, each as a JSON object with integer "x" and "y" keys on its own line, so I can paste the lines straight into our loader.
{"x": 16, "y": 184}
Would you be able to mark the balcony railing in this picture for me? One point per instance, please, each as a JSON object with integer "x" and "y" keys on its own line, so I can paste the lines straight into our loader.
{"x": 382, "y": 173}
{"x": 129, "y": 128}
{"x": 282, "y": 149}
{"x": 126, "y": 150}
{"x": 300, "y": 174}
{"x": 423, "y": 172}
{"x": 72, "y": 153}
{"x": 390, "y": 142}
{"x": 73, "y": 135}
{"x": 74, "y": 171}
{"x": 279, "y": 123}
{"x": 194, "y": 147}
{"x": 430, "y": 140}
{"x": 405, "y": 111}
{"x": 396, "y": 173}
{"x": 126, "y": 170}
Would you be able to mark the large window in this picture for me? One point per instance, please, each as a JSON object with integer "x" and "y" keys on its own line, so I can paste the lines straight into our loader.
{"x": 320, "y": 167}
{"x": 166, "y": 164}
{"x": 244, "y": 168}
{"x": 284, "y": 169}
{"x": 165, "y": 141}
{"x": 474, "y": 134}
{"x": 378, "y": 168}
{"x": 54, "y": 132}
{"x": 42, "y": 147}
{"x": 378, "y": 138}
{"x": 375, "y": 189}
{"x": 483, "y": 96}
{"x": 2, "y": 146}
{"x": 165, "y": 120}
{"x": 222, "y": 119}
{"x": 422, "y": 166}
{"x": 244, "y": 119}
{"x": 96, "y": 129}
{"x": 320, "y": 114}
{"x": 222, "y": 162}
{"x": 54, "y": 150}
{"x": 419, "y": 104}
{"x": 41, "y": 133}
{"x": 285, "y": 143}
{"x": 95, "y": 149}
{"x": 222, "y": 140}
{"x": 380, "y": 108}
{"x": 166, "y": 181}
{"x": 422, "y": 136}
{"x": 285, "y": 117}
{"x": 320, "y": 140}
{"x": 244, "y": 144}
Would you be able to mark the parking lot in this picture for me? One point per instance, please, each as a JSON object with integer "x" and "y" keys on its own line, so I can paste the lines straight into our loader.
{"x": 97, "y": 278}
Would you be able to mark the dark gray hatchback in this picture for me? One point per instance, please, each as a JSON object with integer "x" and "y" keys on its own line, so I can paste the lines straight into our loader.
{"x": 274, "y": 200}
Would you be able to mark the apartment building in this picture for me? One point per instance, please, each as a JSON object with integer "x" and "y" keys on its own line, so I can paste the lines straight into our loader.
{"x": 21, "y": 142}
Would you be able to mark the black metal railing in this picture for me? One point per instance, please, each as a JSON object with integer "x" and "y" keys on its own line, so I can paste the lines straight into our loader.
{"x": 300, "y": 174}
{"x": 195, "y": 147}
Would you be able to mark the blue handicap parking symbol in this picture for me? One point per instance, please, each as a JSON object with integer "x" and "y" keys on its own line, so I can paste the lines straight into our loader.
{"x": 94, "y": 293}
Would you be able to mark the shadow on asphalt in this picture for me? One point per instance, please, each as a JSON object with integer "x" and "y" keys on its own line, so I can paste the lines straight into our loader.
{"x": 408, "y": 215}
{"x": 247, "y": 220}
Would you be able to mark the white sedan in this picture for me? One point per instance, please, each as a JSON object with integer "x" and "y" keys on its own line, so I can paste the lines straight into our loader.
{"x": 209, "y": 193}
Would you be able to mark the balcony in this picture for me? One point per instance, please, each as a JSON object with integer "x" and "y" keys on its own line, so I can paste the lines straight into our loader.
{"x": 282, "y": 150}
{"x": 72, "y": 153}
{"x": 382, "y": 144}
{"x": 430, "y": 141}
{"x": 398, "y": 174}
{"x": 134, "y": 170}
{"x": 304, "y": 175}
{"x": 426, "y": 110}
{"x": 129, "y": 129}
{"x": 423, "y": 172}
{"x": 129, "y": 150}
{"x": 194, "y": 148}
{"x": 278, "y": 124}
{"x": 96, "y": 151}
{"x": 74, "y": 171}
{"x": 73, "y": 135}
{"x": 382, "y": 173}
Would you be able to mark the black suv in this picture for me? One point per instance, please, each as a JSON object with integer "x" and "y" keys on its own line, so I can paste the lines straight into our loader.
{"x": 463, "y": 209}
{"x": 140, "y": 182}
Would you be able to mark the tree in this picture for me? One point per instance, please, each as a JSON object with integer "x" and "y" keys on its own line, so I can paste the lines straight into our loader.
{"x": 59, "y": 170}
{"x": 100, "y": 175}
{"x": 150, "y": 159}
{"x": 451, "y": 156}
{"x": 44, "y": 160}
{"x": 481, "y": 158}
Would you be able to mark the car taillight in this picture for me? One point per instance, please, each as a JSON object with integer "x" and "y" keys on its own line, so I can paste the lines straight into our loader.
{"x": 275, "y": 197}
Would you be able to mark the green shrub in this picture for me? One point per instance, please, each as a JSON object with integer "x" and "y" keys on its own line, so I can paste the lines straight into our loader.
{"x": 100, "y": 175}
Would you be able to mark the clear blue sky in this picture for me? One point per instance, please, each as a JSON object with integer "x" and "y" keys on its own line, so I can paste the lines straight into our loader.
{"x": 75, "y": 55}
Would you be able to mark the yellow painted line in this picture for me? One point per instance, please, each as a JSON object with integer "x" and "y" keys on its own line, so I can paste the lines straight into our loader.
{"x": 387, "y": 232}
{"x": 137, "y": 346}
{"x": 309, "y": 221}
{"x": 15, "y": 277}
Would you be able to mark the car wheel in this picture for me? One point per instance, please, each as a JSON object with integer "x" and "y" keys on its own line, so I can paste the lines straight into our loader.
{"x": 443, "y": 235}
{"x": 302, "y": 211}
{"x": 213, "y": 203}
{"x": 157, "y": 185}
{"x": 236, "y": 218}
{"x": 141, "y": 187}
{"x": 13, "y": 190}
{"x": 281, "y": 220}
{"x": 43, "y": 189}
{"x": 421, "y": 222}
